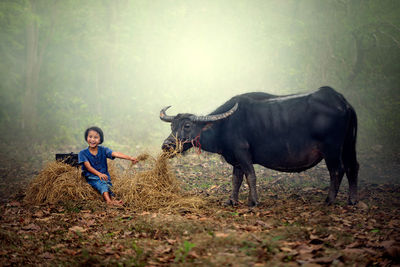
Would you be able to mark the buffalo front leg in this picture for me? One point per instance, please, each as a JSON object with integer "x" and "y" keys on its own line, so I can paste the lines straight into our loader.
{"x": 237, "y": 179}
{"x": 252, "y": 182}
{"x": 243, "y": 156}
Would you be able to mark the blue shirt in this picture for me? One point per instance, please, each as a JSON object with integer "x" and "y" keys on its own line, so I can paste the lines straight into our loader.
{"x": 98, "y": 162}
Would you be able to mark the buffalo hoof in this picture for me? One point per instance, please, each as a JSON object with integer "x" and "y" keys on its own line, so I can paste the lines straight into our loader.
{"x": 352, "y": 201}
{"x": 231, "y": 202}
{"x": 252, "y": 204}
{"x": 329, "y": 201}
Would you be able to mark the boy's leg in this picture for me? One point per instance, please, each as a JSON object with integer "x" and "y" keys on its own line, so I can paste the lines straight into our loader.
{"x": 107, "y": 197}
{"x": 103, "y": 187}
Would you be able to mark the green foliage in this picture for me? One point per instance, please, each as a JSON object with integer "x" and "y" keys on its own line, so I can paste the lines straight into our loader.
{"x": 182, "y": 252}
{"x": 67, "y": 65}
{"x": 137, "y": 260}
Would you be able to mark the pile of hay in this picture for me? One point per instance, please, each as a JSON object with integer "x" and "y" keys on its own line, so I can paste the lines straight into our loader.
{"x": 150, "y": 190}
{"x": 59, "y": 182}
{"x": 155, "y": 189}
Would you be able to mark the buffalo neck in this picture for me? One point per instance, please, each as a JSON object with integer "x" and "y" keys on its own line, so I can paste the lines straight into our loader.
{"x": 208, "y": 139}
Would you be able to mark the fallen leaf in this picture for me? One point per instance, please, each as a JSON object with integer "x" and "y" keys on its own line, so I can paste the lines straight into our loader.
{"x": 31, "y": 227}
{"x": 171, "y": 241}
{"x": 356, "y": 244}
{"x": 193, "y": 254}
{"x": 362, "y": 205}
{"x": 303, "y": 249}
{"x": 162, "y": 250}
{"x": 330, "y": 238}
{"x": 356, "y": 251}
{"x": 77, "y": 229}
{"x": 222, "y": 235}
{"x": 71, "y": 251}
{"x": 90, "y": 222}
{"x": 263, "y": 224}
{"x": 326, "y": 260}
{"x": 289, "y": 250}
{"x": 213, "y": 187}
{"x": 304, "y": 256}
{"x": 47, "y": 255}
{"x": 109, "y": 251}
{"x": 45, "y": 219}
{"x": 86, "y": 211}
{"x": 38, "y": 214}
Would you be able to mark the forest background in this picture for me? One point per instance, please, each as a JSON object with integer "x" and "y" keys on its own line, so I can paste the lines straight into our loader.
{"x": 67, "y": 65}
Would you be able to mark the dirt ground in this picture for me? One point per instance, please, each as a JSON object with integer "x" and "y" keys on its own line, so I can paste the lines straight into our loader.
{"x": 290, "y": 227}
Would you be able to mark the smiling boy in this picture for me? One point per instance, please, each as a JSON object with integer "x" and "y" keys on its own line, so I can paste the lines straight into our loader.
{"x": 94, "y": 163}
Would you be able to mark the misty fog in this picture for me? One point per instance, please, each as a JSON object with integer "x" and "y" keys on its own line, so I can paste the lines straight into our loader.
{"x": 67, "y": 65}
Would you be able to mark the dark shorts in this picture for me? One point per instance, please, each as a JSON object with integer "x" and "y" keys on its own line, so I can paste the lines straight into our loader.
{"x": 100, "y": 185}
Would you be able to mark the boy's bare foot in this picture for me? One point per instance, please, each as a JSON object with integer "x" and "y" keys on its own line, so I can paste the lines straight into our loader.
{"x": 111, "y": 201}
{"x": 115, "y": 202}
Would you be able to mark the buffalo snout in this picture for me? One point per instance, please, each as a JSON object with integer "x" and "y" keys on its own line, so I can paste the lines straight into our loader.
{"x": 168, "y": 145}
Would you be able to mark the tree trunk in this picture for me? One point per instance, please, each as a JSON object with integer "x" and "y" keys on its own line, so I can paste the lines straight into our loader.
{"x": 107, "y": 69}
{"x": 34, "y": 58}
{"x": 29, "y": 100}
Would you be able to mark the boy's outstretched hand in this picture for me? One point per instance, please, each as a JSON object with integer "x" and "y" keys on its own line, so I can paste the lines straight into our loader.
{"x": 123, "y": 156}
{"x": 134, "y": 160}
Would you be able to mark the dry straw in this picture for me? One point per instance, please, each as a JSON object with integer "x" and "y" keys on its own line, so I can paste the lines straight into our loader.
{"x": 59, "y": 182}
{"x": 154, "y": 189}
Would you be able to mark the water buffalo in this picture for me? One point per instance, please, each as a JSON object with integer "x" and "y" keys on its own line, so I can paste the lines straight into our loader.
{"x": 289, "y": 133}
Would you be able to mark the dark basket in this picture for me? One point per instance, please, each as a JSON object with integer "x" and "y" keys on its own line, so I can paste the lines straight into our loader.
{"x": 71, "y": 159}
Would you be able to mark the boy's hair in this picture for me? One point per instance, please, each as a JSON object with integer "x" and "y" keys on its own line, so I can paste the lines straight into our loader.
{"x": 96, "y": 129}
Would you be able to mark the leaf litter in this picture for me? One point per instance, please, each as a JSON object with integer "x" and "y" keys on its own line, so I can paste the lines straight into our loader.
{"x": 291, "y": 227}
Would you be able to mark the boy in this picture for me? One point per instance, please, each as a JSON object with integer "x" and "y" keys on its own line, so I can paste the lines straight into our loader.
{"x": 94, "y": 163}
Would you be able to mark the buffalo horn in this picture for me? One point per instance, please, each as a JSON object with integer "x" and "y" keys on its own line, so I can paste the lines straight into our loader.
{"x": 215, "y": 117}
{"x": 165, "y": 117}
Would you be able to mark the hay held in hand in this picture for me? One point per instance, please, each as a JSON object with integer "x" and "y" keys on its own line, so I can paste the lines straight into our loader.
{"x": 143, "y": 157}
{"x": 59, "y": 182}
{"x": 155, "y": 189}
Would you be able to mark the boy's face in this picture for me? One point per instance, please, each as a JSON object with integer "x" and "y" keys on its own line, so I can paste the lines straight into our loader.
{"x": 93, "y": 139}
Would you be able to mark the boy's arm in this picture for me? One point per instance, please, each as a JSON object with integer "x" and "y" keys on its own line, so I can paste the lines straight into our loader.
{"x": 89, "y": 167}
{"x": 123, "y": 156}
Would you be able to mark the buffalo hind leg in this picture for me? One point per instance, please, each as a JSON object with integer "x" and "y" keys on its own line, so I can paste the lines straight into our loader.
{"x": 349, "y": 157}
{"x": 237, "y": 179}
{"x": 352, "y": 176}
{"x": 351, "y": 168}
{"x": 336, "y": 172}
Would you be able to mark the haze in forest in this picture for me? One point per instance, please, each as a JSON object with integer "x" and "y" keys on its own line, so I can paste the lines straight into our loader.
{"x": 67, "y": 65}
